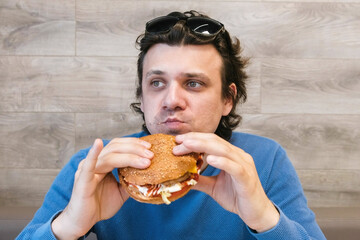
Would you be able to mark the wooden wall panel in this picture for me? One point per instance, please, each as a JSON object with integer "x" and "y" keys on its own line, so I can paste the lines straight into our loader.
{"x": 331, "y": 188}
{"x": 90, "y": 126}
{"x": 66, "y": 84}
{"x": 253, "y": 85}
{"x": 81, "y": 84}
{"x": 33, "y": 27}
{"x": 310, "y": 86}
{"x": 311, "y": 141}
{"x": 68, "y": 71}
{"x": 25, "y": 187}
{"x": 331, "y": 180}
{"x": 276, "y": 29}
{"x": 36, "y": 140}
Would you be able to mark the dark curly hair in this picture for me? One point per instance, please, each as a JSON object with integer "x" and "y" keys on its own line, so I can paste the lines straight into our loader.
{"x": 232, "y": 70}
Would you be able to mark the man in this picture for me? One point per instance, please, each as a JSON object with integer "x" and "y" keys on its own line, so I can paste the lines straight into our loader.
{"x": 190, "y": 80}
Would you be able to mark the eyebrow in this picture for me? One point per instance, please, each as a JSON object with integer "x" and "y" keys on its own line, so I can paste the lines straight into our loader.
{"x": 186, "y": 75}
{"x": 154, "y": 72}
{"x": 196, "y": 75}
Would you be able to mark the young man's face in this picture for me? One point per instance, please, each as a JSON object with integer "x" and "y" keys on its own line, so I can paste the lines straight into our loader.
{"x": 182, "y": 89}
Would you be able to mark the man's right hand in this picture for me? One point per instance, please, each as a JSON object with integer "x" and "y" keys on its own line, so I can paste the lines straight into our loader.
{"x": 96, "y": 193}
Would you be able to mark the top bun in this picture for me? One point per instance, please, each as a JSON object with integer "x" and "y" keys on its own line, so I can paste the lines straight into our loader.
{"x": 164, "y": 166}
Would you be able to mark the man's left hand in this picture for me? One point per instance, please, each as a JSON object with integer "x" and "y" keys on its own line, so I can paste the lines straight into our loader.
{"x": 237, "y": 188}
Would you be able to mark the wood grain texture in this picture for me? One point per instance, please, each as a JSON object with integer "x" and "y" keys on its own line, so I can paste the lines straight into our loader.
{"x": 267, "y": 29}
{"x": 37, "y": 27}
{"x": 30, "y": 140}
{"x": 331, "y": 180}
{"x": 81, "y": 84}
{"x": 253, "y": 88}
{"x": 25, "y": 187}
{"x": 331, "y": 188}
{"x": 310, "y": 86}
{"x": 303, "y": 89}
{"x": 90, "y": 126}
{"x": 311, "y": 141}
{"x": 66, "y": 84}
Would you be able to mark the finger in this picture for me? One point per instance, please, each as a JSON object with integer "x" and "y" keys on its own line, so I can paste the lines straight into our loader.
{"x": 201, "y": 142}
{"x": 77, "y": 173}
{"x": 128, "y": 148}
{"x": 86, "y": 169}
{"x": 124, "y": 152}
{"x": 115, "y": 160}
{"x": 210, "y": 144}
{"x": 92, "y": 156}
{"x": 131, "y": 141}
{"x": 233, "y": 168}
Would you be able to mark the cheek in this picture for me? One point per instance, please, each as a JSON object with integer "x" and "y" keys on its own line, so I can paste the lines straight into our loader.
{"x": 209, "y": 113}
{"x": 212, "y": 106}
{"x": 150, "y": 107}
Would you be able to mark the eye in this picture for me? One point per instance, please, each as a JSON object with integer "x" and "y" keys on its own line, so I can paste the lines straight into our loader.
{"x": 194, "y": 84}
{"x": 157, "y": 84}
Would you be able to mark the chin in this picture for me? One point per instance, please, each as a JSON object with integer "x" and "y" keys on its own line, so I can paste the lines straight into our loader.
{"x": 175, "y": 132}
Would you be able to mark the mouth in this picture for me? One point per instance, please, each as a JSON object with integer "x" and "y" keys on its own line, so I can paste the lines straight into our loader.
{"x": 173, "y": 123}
{"x": 172, "y": 120}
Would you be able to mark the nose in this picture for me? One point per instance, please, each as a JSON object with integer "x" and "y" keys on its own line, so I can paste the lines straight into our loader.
{"x": 174, "y": 98}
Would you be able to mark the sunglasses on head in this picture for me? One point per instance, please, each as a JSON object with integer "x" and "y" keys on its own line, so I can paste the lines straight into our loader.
{"x": 201, "y": 26}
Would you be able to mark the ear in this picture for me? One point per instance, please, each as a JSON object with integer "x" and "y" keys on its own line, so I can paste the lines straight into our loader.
{"x": 228, "y": 102}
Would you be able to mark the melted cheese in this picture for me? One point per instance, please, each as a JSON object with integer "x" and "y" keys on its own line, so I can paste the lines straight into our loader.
{"x": 194, "y": 169}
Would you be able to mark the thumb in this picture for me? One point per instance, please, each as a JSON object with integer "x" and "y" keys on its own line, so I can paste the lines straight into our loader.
{"x": 91, "y": 158}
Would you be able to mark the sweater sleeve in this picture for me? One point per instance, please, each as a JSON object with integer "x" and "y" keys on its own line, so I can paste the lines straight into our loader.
{"x": 284, "y": 189}
{"x": 54, "y": 202}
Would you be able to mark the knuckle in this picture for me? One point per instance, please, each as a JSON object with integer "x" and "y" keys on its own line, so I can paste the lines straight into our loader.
{"x": 227, "y": 149}
{"x": 138, "y": 141}
{"x": 114, "y": 141}
{"x": 141, "y": 142}
{"x": 240, "y": 170}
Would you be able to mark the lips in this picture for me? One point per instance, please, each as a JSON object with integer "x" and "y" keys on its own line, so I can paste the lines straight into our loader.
{"x": 173, "y": 123}
{"x": 173, "y": 120}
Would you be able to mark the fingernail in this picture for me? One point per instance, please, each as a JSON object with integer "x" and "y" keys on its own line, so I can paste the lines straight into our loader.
{"x": 149, "y": 153}
{"x": 179, "y": 138}
{"x": 211, "y": 160}
{"x": 176, "y": 149}
{"x": 146, "y": 144}
{"x": 145, "y": 162}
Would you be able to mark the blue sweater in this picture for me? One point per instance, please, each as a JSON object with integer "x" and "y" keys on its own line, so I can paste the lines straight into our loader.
{"x": 195, "y": 216}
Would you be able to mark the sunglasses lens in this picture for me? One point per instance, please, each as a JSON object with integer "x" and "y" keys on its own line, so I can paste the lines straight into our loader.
{"x": 199, "y": 25}
{"x": 204, "y": 26}
{"x": 161, "y": 24}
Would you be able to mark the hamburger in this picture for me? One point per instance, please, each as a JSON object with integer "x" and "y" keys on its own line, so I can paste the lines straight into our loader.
{"x": 168, "y": 177}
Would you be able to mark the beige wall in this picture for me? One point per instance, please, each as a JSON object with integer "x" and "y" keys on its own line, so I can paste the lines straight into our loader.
{"x": 67, "y": 76}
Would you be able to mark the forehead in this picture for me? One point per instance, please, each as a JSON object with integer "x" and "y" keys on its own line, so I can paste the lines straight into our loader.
{"x": 201, "y": 59}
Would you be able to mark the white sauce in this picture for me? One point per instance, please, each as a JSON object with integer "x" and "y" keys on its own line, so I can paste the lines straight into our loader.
{"x": 170, "y": 189}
